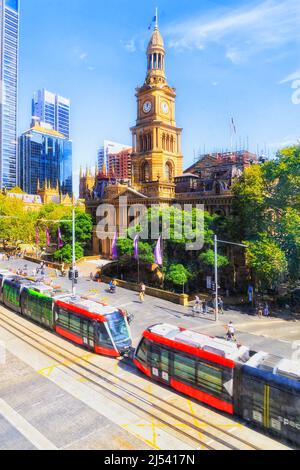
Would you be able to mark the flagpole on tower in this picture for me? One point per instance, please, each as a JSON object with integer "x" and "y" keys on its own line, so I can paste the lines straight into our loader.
{"x": 156, "y": 18}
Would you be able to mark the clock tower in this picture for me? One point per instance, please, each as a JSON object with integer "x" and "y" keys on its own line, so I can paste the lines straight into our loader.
{"x": 156, "y": 140}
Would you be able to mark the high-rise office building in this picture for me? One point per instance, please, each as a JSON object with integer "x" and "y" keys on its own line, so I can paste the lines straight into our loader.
{"x": 119, "y": 164}
{"x": 108, "y": 149}
{"x": 52, "y": 109}
{"x": 9, "y": 42}
{"x": 45, "y": 159}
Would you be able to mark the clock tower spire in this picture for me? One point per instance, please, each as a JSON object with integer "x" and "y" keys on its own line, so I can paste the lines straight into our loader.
{"x": 156, "y": 157}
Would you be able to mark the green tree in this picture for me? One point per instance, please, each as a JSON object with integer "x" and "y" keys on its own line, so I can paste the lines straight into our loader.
{"x": 267, "y": 261}
{"x": 65, "y": 253}
{"x": 83, "y": 227}
{"x": 178, "y": 275}
{"x": 208, "y": 258}
{"x": 249, "y": 206}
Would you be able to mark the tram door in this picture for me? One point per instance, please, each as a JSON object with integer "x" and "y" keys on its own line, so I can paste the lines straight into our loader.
{"x": 160, "y": 364}
{"x": 88, "y": 331}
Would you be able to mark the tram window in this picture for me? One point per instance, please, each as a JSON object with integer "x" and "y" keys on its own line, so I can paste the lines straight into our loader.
{"x": 85, "y": 326}
{"x": 103, "y": 336}
{"x": 155, "y": 358}
{"x": 142, "y": 352}
{"x": 210, "y": 377}
{"x": 184, "y": 368}
{"x": 74, "y": 323}
{"x": 164, "y": 359}
{"x": 63, "y": 318}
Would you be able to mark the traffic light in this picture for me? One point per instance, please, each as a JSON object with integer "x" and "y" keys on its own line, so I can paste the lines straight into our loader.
{"x": 74, "y": 275}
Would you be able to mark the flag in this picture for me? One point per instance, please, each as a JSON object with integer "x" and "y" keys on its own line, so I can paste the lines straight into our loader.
{"x": 114, "y": 247}
{"x": 158, "y": 253}
{"x": 153, "y": 21}
{"x": 37, "y": 236}
{"x": 136, "y": 247}
{"x": 60, "y": 240}
{"x": 48, "y": 237}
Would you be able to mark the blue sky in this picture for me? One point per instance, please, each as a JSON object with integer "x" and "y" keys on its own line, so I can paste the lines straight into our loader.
{"x": 225, "y": 58}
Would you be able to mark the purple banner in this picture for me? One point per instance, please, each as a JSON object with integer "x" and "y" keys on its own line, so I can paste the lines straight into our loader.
{"x": 136, "y": 247}
{"x": 60, "y": 240}
{"x": 114, "y": 247}
{"x": 158, "y": 253}
{"x": 48, "y": 240}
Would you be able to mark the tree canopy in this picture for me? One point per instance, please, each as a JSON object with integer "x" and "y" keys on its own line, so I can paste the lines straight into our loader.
{"x": 267, "y": 212}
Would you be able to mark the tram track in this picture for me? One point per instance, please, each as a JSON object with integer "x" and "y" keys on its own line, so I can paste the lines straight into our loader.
{"x": 68, "y": 360}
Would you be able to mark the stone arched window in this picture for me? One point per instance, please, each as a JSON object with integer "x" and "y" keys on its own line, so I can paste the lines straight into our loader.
{"x": 141, "y": 143}
{"x": 145, "y": 172}
{"x": 168, "y": 143}
{"x": 164, "y": 142}
{"x": 172, "y": 144}
{"x": 169, "y": 171}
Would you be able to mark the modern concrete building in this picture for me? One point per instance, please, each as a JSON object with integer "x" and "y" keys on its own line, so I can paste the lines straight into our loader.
{"x": 9, "y": 45}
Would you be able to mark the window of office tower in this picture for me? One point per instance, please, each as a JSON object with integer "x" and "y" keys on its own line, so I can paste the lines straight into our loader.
{"x": 13, "y": 4}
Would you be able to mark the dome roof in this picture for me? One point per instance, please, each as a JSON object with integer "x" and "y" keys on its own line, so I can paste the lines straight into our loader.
{"x": 156, "y": 43}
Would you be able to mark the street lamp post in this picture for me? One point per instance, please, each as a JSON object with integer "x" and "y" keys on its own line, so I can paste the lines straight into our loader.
{"x": 217, "y": 274}
{"x": 73, "y": 253}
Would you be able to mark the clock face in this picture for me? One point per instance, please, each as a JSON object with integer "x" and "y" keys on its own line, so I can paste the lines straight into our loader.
{"x": 147, "y": 107}
{"x": 165, "y": 107}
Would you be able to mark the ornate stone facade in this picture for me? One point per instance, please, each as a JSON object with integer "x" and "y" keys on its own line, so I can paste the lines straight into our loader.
{"x": 157, "y": 171}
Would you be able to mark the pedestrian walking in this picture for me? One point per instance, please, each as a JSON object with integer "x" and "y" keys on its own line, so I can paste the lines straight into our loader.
{"x": 231, "y": 332}
{"x": 142, "y": 292}
{"x": 198, "y": 305}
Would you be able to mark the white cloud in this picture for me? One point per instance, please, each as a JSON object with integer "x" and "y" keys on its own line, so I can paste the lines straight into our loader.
{"x": 242, "y": 32}
{"x": 83, "y": 56}
{"x": 290, "y": 78}
{"x": 285, "y": 142}
{"x": 129, "y": 46}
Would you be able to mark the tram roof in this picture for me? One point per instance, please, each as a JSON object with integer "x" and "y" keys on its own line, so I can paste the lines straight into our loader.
{"x": 275, "y": 365}
{"x": 5, "y": 272}
{"x": 88, "y": 305}
{"x": 219, "y": 347}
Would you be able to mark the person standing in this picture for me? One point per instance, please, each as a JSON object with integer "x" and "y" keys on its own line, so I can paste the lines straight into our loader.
{"x": 221, "y": 305}
{"x": 260, "y": 311}
{"x": 266, "y": 310}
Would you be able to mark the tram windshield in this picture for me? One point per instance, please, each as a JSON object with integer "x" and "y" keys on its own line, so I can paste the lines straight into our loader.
{"x": 118, "y": 327}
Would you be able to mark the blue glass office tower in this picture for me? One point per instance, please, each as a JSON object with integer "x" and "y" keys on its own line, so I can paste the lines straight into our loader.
{"x": 45, "y": 157}
{"x": 52, "y": 109}
{"x": 9, "y": 41}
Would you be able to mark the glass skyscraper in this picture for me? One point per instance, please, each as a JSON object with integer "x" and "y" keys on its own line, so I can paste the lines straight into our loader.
{"x": 52, "y": 109}
{"x": 9, "y": 41}
{"x": 45, "y": 157}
